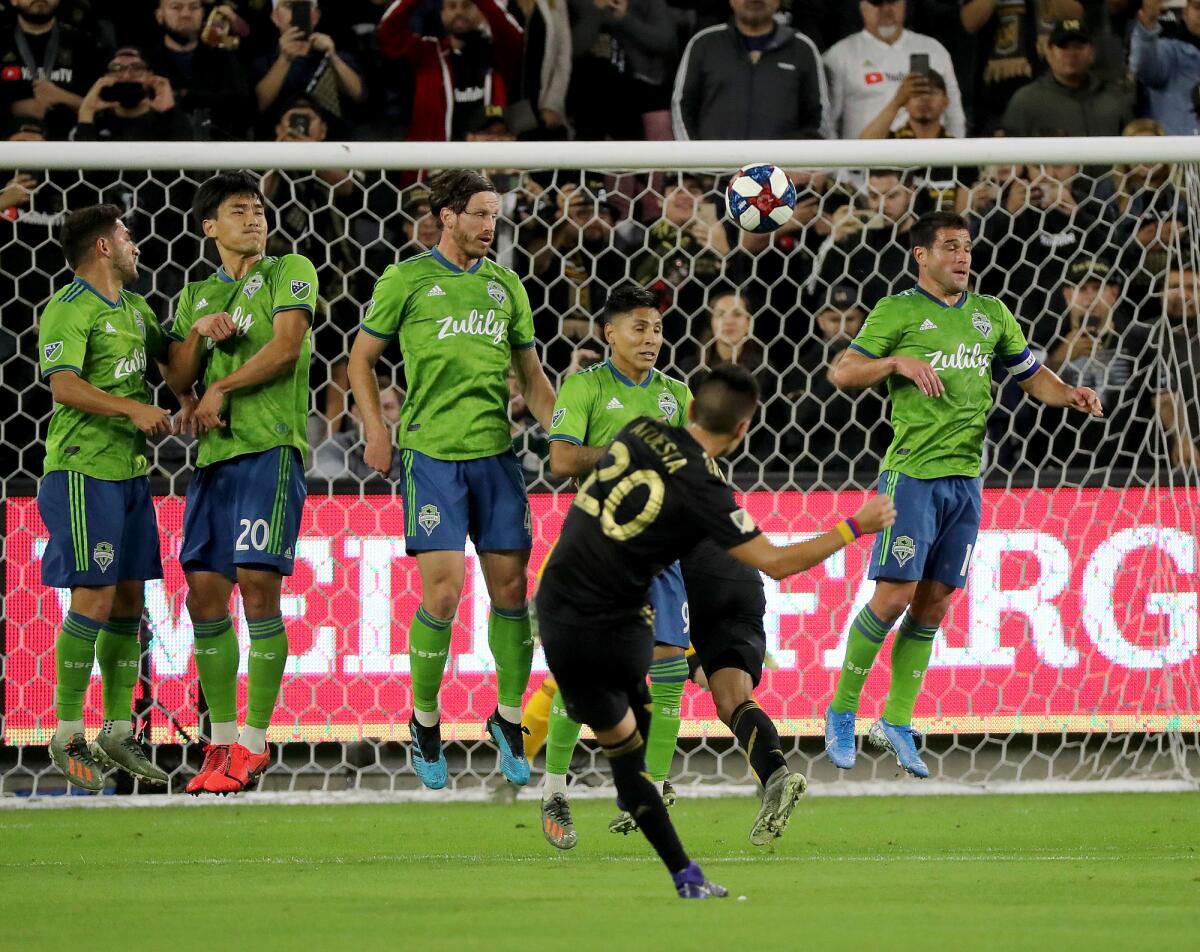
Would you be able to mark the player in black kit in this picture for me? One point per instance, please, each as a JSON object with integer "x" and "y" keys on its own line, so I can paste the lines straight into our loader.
{"x": 655, "y": 495}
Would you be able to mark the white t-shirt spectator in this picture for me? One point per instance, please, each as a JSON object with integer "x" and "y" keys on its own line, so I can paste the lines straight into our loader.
{"x": 864, "y": 74}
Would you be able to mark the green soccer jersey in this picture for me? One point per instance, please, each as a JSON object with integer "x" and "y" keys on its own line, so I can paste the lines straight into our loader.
{"x": 595, "y": 404}
{"x": 274, "y": 413}
{"x": 457, "y": 332}
{"x": 943, "y": 436}
{"x": 108, "y": 344}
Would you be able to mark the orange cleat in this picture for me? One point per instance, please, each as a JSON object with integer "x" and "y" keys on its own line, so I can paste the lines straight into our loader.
{"x": 240, "y": 771}
{"x": 216, "y": 758}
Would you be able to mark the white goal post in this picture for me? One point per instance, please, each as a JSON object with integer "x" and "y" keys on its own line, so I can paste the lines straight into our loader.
{"x": 1073, "y": 655}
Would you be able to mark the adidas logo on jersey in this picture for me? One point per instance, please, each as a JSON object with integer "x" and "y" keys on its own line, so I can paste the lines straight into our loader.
{"x": 108, "y": 328}
{"x": 928, "y": 326}
{"x": 615, "y": 404}
{"x": 436, "y": 291}
{"x": 201, "y": 303}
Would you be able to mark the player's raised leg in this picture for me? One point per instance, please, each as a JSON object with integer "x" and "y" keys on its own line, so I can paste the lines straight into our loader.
{"x": 733, "y": 692}
{"x": 217, "y": 655}
{"x": 74, "y": 656}
{"x": 510, "y": 639}
{"x": 562, "y": 735}
{"x": 442, "y": 577}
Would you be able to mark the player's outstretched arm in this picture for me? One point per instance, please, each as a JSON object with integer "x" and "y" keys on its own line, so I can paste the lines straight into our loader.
{"x": 73, "y": 391}
{"x": 535, "y": 387}
{"x": 276, "y": 357}
{"x": 364, "y": 355}
{"x": 780, "y": 561}
{"x": 1052, "y": 390}
{"x": 855, "y": 371}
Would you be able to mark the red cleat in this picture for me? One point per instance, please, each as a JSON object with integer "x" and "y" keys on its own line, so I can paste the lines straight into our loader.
{"x": 239, "y": 771}
{"x": 216, "y": 758}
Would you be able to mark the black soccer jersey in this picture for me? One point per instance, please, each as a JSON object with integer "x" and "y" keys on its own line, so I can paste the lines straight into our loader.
{"x": 652, "y": 497}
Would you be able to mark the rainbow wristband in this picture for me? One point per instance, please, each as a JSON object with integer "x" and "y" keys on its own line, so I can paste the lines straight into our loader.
{"x": 848, "y": 529}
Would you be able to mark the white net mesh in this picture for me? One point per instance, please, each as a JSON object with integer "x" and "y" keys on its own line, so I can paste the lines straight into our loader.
{"x": 1073, "y": 652}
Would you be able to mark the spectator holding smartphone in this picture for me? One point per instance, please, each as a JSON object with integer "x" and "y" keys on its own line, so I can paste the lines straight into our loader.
{"x": 858, "y": 92}
{"x": 129, "y": 103}
{"x": 1167, "y": 64}
{"x": 306, "y": 62}
{"x": 46, "y": 66}
{"x": 211, "y": 86}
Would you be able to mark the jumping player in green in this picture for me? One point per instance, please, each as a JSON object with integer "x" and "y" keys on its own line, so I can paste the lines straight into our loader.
{"x": 592, "y": 407}
{"x": 935, "y": 345}
{"x": 246, "y": 331}
{"x": 94, "y": 340}
{"x": 461, "y": 320}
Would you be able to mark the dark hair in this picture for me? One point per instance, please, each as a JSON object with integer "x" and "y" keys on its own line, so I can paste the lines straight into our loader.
{"x": 628, "y": 297}
{"x": 726, "y": 397}
{"x": 79, "y": 231}
{"x": 453, "y": 190}
{"x": 924, "y": 233}
{"x": 212, "y": 192}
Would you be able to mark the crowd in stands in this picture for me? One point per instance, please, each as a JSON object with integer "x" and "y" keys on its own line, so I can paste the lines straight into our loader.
{"x": 1091, "y": 259}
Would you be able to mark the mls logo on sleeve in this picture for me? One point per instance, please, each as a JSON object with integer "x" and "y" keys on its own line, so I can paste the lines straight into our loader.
{"x": 300, "y": 290}
{"x": 429, "y": 518}
{"x": 496, "y": 292}
{"x": 103, "y": 555}
{"x": 982, "y": 323}
{"x": 904, "y": 549}
{"x": 253, "y": 285}
{"x": 54, "y": 350}
{"x": 558, "y": 417}
{"x": 668, "y": 404}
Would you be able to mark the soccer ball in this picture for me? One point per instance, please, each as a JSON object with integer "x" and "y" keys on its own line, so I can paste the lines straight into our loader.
{"x": 760, "y": 198}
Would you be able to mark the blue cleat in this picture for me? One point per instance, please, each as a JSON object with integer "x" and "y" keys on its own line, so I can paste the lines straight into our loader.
{"x": 690, "y": 883}
{"x": 839, "y": 738}
{"x": 511, "y": 744}
{"x": 428, "y": 761}
{"x": 901, "y": 741}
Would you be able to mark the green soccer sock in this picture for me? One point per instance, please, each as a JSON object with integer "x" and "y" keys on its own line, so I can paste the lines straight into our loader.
{"x": 217, "y": 656}
{"x": 511, "y": 639}
{"x": 119, "y": 651}
{"x": 667, "y": 677}
{"x": 910, "y": 658}
{"x": 867, "y": 634}
{"x": 428, "y": 649}
{"x": 74, "y": 655}
{"x": 561, "y": 738}
{"x": 268, "y": 656}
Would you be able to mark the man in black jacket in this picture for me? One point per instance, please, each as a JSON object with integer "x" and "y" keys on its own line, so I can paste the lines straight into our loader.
{"x": 750, "y": 78}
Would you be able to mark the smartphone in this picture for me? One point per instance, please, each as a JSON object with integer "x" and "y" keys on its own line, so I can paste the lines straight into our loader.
{"x": 302, "y": 16}
{"x": 125, "y": 93}
{"x": 917, "y": 63}
{"x": 298, "y": 122}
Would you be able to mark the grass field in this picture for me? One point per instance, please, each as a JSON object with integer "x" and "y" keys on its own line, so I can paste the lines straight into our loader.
{"x": 978, "y": 872}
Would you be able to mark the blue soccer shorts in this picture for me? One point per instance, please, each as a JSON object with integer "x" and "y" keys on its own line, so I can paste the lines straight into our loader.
{"x": 245, "y": 511}
{"x": 937, "y": 523}
{"x": 668, "y": 598}
{"x": 102, "y": 531}
{"x": 445, "y": 501}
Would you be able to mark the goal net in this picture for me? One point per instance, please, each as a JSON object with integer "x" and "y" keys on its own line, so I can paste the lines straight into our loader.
{"x": 1071, "y": 655}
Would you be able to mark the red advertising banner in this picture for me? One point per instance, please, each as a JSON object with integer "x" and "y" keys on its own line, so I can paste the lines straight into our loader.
{"x": 1080, "y": 614}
